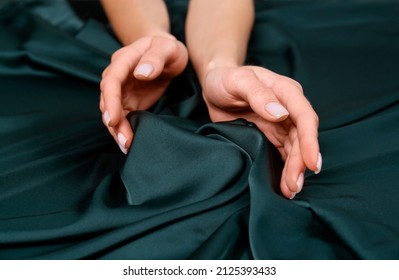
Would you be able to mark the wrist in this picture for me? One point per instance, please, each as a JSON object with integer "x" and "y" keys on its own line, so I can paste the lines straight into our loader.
{"x": 156, "y": 32}
{"x": 214, "y": 63}
{"x": 147, "y": 33}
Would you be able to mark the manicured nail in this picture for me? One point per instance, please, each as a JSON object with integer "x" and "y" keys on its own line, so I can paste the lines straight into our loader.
{"x": 276, "y": 109}
{"x": 122, "y": 143}
{"x": 106, "y": 117}
{"x": 122, "y": 140}
{"x": 123, "y": 149}
{"x": 299, "y": 182}
{"x": 319, "y": 164}
{"x": 144, "y": 70}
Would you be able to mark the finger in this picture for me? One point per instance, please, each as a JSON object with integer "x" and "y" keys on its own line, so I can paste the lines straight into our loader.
{"x": 165, "y": 55}
{"x": 276, "y": 134}
{"x": 118, "y": 137}
{"x": 283, "y": 153}
{"x": 101, "y": 104}
{"x": 261, "y": 99}
{"x": 111, "y": 131}
{"x": 307, "y": 123}
{"x": 104, "y": 73}
{"x": 308, "y": 141}
{"x": 287, "y": 147}
{"x": 295, "y": 167}
{"x": 301, "y": 112}
{"x": 111, "y": 101}
{"x": 124, "y": 135}
{"x": 114, "y": 76}
{"x": 283, "y": 185}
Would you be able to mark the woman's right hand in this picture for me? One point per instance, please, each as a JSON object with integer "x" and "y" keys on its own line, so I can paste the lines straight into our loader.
{"x": 136, "y": 78}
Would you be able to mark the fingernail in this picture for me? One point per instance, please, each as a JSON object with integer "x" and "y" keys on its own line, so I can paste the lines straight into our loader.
{"x": 123, "y": 149}
{"x": 300, "y": 181}
{"x": 122, "y": 140}
{"x": 122, "y": 143}
{"x": 106, "y": 117}
{"x": 276, "y": 109}
{"x": 293, "y": 195}
{"x": 144, "y": 70}
{"x": 319, "y": 164}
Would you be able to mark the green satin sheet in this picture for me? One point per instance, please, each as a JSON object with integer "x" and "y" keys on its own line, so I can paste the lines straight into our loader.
{"x": 188, "y": 188}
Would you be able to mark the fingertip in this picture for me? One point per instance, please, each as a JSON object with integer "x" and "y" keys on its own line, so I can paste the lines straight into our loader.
{"x": 295, "y": 183}
{"x": 314, "y": 162}
{"x": 285, "y": 190}
{"x": 310, "y": 151}
{"x": 111, "y": 120}
{"x": 106, "y": 118}
{"x": 124, "y": 136}
{"x": 291, "y": 192}
{"x": 299, "y": 182}
{"x": 122, "y": 139}
{"x": 122, "y": 142}
{"x": 295, "y": 168}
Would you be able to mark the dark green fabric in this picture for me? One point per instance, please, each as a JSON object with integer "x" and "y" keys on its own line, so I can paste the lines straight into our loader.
{"x": 190, "y": 189}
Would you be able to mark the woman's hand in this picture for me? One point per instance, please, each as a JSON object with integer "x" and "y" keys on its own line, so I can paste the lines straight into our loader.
{"x": 136, "y": 78}
{"x": 277, "y": 106}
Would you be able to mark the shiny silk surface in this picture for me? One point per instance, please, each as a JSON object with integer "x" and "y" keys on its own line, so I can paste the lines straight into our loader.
{"x": 189, "y": 188}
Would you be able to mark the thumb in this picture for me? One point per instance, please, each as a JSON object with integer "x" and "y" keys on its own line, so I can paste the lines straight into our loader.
{"x": 260, "y": 98}
{"x": 276, "y": 110}
{"x": 164, "y": 55}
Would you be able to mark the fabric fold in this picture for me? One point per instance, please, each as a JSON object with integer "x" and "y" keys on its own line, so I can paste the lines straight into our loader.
{"x": 189, "y": 188}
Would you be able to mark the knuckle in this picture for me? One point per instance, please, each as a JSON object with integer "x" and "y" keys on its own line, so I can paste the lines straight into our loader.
{"x": 259, "y": 94}
{"x": 107, "y": 84}
{"x": 305, "y": 115}
{"x": 241, "y": 78}
{"x": 229, "y": 80}
{"x": 316, "y": 119}
{"x": 317, "y": 122}
{"x": 297, "y": 85}
{"x": 104, "y": 84}
{"x": 117, "y": 54}
{"x": 153, "y": 56}
{"x": 104, "y": 73}
{"x": 310, "y": 115}
{"x": 286, "y": 82}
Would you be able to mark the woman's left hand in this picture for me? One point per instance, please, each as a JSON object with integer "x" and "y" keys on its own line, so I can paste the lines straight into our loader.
{"x": 278, "y": 107}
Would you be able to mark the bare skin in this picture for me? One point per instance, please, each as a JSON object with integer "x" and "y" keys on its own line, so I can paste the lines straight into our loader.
{"x": 140, "y": 72}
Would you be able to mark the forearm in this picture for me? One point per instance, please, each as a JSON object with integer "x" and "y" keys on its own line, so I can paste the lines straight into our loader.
{"x": 217, "y": 33}
{"x": 133, "y": 19}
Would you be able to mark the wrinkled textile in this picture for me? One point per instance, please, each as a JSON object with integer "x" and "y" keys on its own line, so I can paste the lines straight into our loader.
{"x": 189, "y": 188}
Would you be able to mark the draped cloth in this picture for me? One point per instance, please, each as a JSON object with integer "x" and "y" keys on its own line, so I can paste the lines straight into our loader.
{"x": 189, "y": 188}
